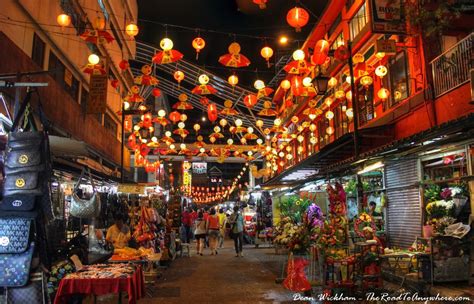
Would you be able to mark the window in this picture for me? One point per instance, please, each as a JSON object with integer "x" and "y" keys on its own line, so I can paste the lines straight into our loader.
{"x": 63, "y": 76}
{"x": 397, "y": 80}
{"x": 341, "y": 121}
{"x": 37, "y": 54}
{"x": 359, "y": 21}
{"x": 365, "y": 97}
{"x": 110, "y": 124}
{"x": 337, "y": 42}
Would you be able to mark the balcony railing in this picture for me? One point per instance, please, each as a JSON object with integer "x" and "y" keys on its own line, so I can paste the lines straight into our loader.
{"x": 452, "y": 68}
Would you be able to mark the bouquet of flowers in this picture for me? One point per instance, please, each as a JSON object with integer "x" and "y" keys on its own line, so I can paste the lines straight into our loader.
{"x": 439, "y": 208}
{"x": 440, "y": 224}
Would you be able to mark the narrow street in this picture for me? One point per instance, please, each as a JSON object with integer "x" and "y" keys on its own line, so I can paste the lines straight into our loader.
{"x": 221, "y": 279}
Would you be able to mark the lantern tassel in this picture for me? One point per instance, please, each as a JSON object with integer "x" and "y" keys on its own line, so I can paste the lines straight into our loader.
{"x": 268, "y": 63}
{"x": 197, "y": 55}
{"x": 262, "y": 5}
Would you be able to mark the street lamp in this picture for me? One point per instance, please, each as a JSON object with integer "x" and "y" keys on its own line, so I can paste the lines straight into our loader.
{"x": 321, "y": 83}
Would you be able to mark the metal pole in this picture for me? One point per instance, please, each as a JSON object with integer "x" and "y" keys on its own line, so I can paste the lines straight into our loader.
{"x": 122, "y": 177}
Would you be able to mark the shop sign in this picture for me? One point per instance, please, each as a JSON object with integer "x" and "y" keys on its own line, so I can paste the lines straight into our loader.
{"x": 387, "y": 46}
{"x": 388, "y": 17}
{"x": 97, "y": 103}
{"x": 131, "y": 188}
{"x": 187, "y": 179}
{"x": 199, "y": 168}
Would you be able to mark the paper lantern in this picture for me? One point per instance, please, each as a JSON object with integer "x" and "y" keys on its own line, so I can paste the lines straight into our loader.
{"x": 320, "y": 53}
{"x": 161, "y": 113}
{"x": 330, "y": 130}
{"x": 233, "y": 80}
{"x": 178, "y": 76}
{"x": 93, "y": 59}
{"x": 203, "y": 79}
{"x": 366, "y": 81}
{"x": 131, "y": 29}
{"x": 328, "y": 101}
{"x": 198, "y": 44}
{"x": 261, "y": 3}
{"x": 297, "y": 17}
{"x": 166, "y": 44}
{"x": 332, "y": 82}
{"x": 350, "y": 113}
{"x": 358, "y": 58}
{"x": 383, "y": 94}
{"x": 298, "y": 55}
{"x": 341, "y": 53}
{"x": 267, "y": 53}
{"x": 250, "y": 100}
{"x": 123, "y": 65}
{"x": 329, "y": 115}
{"x": 297, "y": 86}
{"x": 212, "y": 112}
{"x": 156, "y": 92}
{"x": 307, "y": 82}
{"x": 99, "y": 23}
{"x": 285, "y": 84}
{"x": 259, "y": 123}
{"x": 63, "y": 20}
{"x": 381, "y": 71}
{"x": 175, "y": 116}
{"x": 223, "y": 122}
{"x": 259, "y": 84}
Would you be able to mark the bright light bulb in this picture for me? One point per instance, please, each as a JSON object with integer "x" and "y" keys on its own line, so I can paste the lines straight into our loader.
{"x": 238, "y": 122}
{"x": 298, "y": 55}
{"x": 329, "y": 114}
{"x": 230, "y": 141}
{"x": 350, "y": 113}
{"x": 162, "y": 113}
{"x": 136, "y": 128}
{"x": 249, "y": 153}
{"x": 172, "y": 147}
{"x": 217, "y": 129}
{"x": 203, "y": 79}
{"x": 154, "y": 139}
{"x": 93, "y": 59}
{"x": 126, "y": 105}
{"x": 259, "y": 123}
{"x": 285, "y": 84}
{"x": 307, "y": 81}
{"x": 259, "y": 141}
{"x": 250, "y": 130}
{"x": 277, "y": 122}
{"x": 202, "y": 150}
{"x": 166, "y": 44}
{"x": 168, "y": 134}
{"x": 259, "y": 84}
{"x": 182, "y": 146}
{"x": 181, "y": 125}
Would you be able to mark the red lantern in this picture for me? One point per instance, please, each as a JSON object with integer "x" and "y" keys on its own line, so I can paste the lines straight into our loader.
{"x": 156, "y": 92}
{"x": 144, "y": 150}
{"x": 342, "y": 53}
{"x": 297, "y": 87}
{"x": 297, "y": 17}
{"x": 175, "y": 116}
{"x": 124, "y": 65}
{"x": 204, "y": 101}
{"x": 212, "y": 112}
{"x": 114, "y": 83}
{"x": 127, "y": 124}
{"x": 320, "y": 54}
{"x": 261, "y": 3}
{"x": 250, "y": 100}
{"x": 147, "y": 120}
{"x": 132, "y": 144}
{"x": 150, "y": 167}
{"x": 139, "y": 160}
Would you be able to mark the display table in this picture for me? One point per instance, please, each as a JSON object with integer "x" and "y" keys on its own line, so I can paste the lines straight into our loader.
{"x": 403, "y": 262}
{"x": 103, "y": 279}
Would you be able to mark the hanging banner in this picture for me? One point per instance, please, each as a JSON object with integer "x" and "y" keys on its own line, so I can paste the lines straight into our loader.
{"x": 187, "y": 177}
{"x": 388, "y": 17}
{"x": 131, "y": 188}
{"x": 97, "y": 103}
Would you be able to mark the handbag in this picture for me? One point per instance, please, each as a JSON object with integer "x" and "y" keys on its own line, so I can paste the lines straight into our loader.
{"x": 83, "y": 208}
{"x": 33, "y": 292}
{"x": 14, "y": 234}
{"x": 15, "y": 268}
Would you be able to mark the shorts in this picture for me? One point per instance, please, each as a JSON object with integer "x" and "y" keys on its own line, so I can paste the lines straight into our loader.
{"x": 213, "y": 233}
{"x": 200, "y": 236}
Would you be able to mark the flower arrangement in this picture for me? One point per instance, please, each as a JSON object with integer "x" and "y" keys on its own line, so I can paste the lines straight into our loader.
{"x": 440, "y": 208}
{"x": 364, "y": 220}
{"x": 295, "y": 236}
{"x": 440, "y": 224}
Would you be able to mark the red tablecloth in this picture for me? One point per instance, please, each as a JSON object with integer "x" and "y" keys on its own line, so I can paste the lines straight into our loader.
{"x": 133, "y": 285}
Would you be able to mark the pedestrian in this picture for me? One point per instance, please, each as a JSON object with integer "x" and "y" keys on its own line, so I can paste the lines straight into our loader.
{"x": 187, "y": 222}
{"x": 237, "y": 226}
{"x": 213, "y": 230}
{"x": 200, "y": 232}
{"x": 222, "y": 222}
{"x": 205, "y": 216}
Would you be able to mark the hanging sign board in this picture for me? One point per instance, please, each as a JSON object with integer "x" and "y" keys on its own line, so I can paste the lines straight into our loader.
{"x": 97, "y": 102}
{"x": 388, "y": 46}
{"x": 187, "y": 177}
{"x": 131, "y": 188}
{"x": 388, "y": 17}
{"x": 199, "y": 168}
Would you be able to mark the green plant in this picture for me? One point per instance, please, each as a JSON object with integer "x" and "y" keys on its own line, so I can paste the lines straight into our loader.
{"x": 432, "y": 192}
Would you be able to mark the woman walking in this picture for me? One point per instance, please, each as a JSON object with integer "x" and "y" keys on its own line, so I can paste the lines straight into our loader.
{"x": 200, "y": 233}
{"x": 213, "y": 228}
{"x": 237, "y": 228}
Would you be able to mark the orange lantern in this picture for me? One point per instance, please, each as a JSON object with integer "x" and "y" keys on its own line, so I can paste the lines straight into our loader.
{"x": 147, "y": 120}
{"x": 267, "y": 53}
{"x": 383, "y": 94}
{"x": 212, "y": 112}
{"x": 250, "y": 100}
{"x": 233, "y": 80}
{"x": 198, "y": 45}
{"x": 63, "y": 20}
{"x": 342, "y": 53}
{"x": 131, "y": 29}
{"x": 297, "y": 87}
{"x": 321, "y": 50}
{"x": 297, "y": 17}
{"x": 175, "y": 116}
{"x": 261, "y": 3}
{"x": 123, "y": 65}
{"x": 178, "y": 76}
{"x": 156, "y": 92}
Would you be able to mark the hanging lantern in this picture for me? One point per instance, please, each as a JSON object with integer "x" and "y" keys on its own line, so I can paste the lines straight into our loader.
{"x": 131, "y": 29}
{"x": 233, "y": 80}
{"x": 259, "y": 123}
{"x": 259, "y": 84}
{"x": 366, "y": 81}
{"x": 166, "y": 44}
{"x": 329, "y": 115}
{"x": 99, "y": 23}
{"x": 63, "y": 20}
{"x": 297, "y": 86}
{"x": 175, "y": 116}
{"x": 267, "y": 53}
{"x": 261, "y": 3}
{"x": 358, "y": 58}
{"x": 328, "y": 101}
{"x": 340, "y": 94}
{"x": 298, "y": 55}
{"x": 330, "y": 130}
{"x": 212, "y": 112}
{"x": 203, "y": 79}
{"x": 379, "y": 55}
{"x": 350, "y": 113}
{"x": 381, "y": 71}
{"x": 198, "y": 44}
{"x": 156, "y": 92}
{"x": 332, "y": 82}
{"x": 223, "y": 122}
{"x": 178, "y": 76}
{"x": 297, "y": 17}
{"x": 321, "y": 50}
{"x": 93, "y": 59}
{"x": 383, "y": 94}
{"x": 307, "y": 81}
{"x": 123, "y": 65}
{"x": 250, "y": 100}
{"x": 183, "y": 117}
{"x": 285, "y": 84}
{"x": 341, "y": 53}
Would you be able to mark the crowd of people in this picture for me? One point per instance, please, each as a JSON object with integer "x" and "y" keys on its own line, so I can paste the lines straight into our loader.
{"x": 208, "y": 227}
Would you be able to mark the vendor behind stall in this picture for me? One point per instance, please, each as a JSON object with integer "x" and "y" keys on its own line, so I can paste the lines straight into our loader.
{"x": 118, "y": 234}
